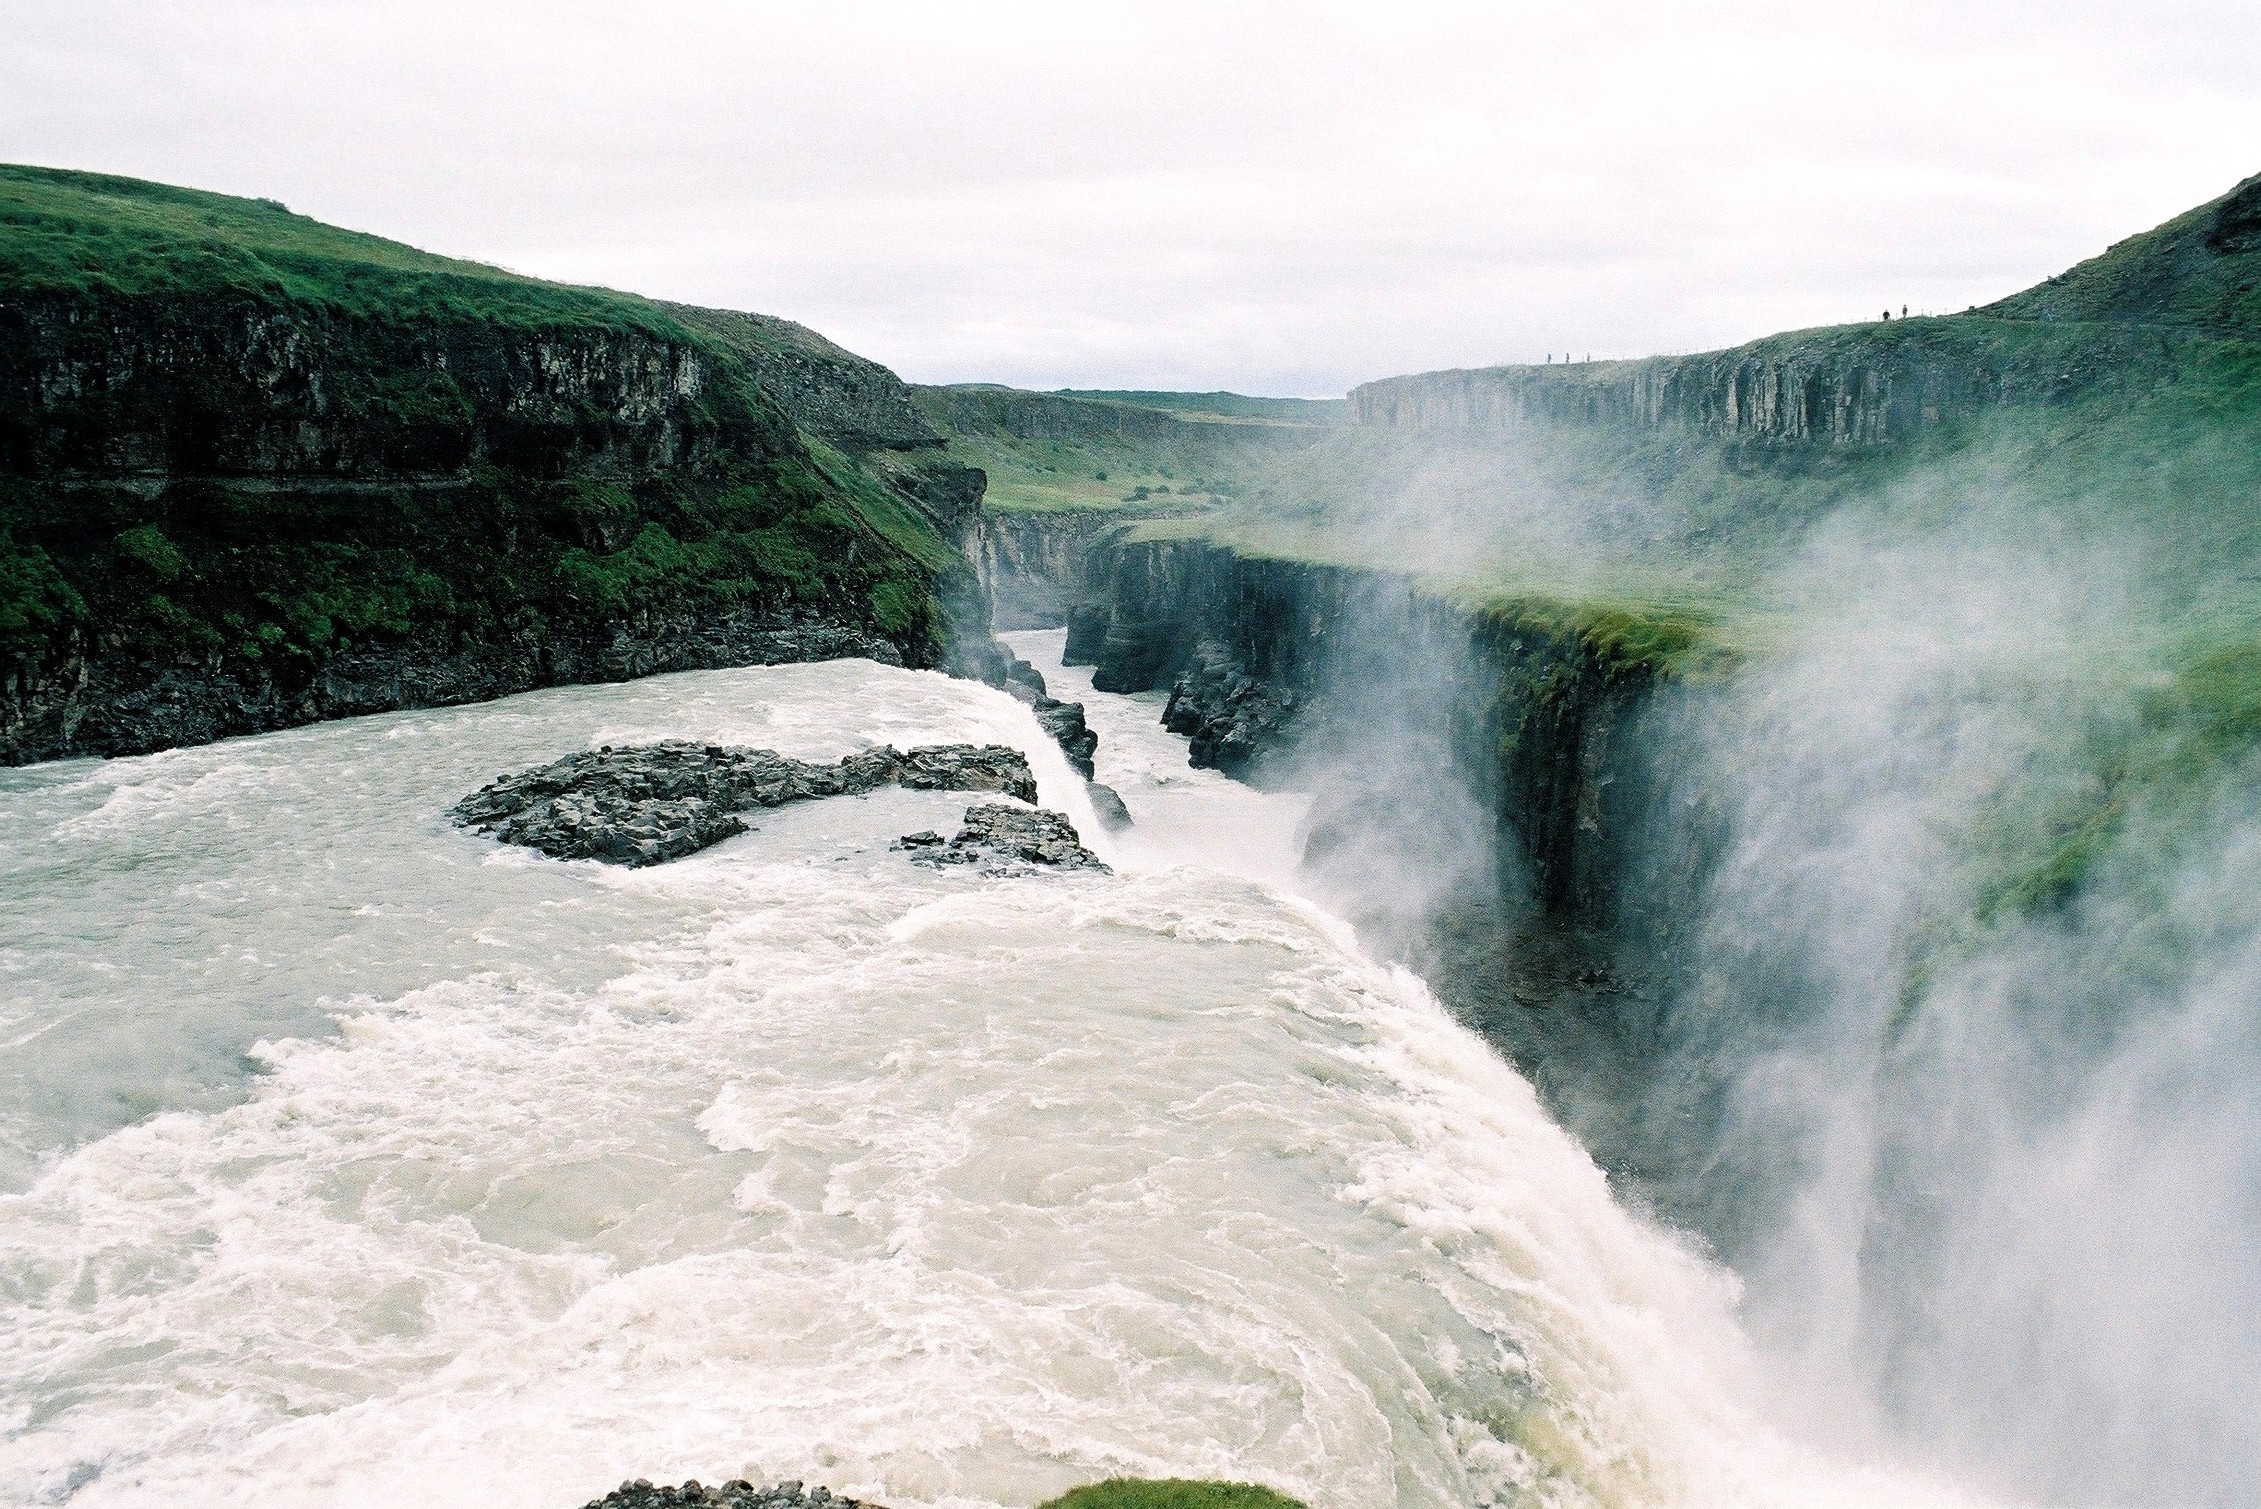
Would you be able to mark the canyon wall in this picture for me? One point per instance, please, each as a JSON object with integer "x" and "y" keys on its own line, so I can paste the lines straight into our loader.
{"x": 1278, "y": 668}
{"x": 1032, "y": 563}
{"x": 223, "y": 517}
{"x": 1892, "y": 382}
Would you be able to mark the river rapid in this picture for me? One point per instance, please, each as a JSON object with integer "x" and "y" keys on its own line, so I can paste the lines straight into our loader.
{"x": 347, "y": 1158}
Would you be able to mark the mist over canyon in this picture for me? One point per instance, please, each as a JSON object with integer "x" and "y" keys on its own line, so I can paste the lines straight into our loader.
{"x": 1682, "y": 931}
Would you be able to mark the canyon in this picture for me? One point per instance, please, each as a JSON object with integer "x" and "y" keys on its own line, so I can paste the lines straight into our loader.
{"x": 1824, "y": 769}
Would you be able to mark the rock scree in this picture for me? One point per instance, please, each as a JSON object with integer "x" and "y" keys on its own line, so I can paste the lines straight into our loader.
{"x": 653, "y": 803}
{"x": 736, "y": 1494}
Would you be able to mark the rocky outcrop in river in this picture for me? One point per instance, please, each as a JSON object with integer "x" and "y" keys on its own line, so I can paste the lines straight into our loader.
{"x": 1005, "y": 838}
{"x": 648, "y": 805}
{"x": 735, "y": 1494}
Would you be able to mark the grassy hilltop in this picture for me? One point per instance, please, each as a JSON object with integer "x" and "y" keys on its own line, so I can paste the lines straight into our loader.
{"x": 239, "y": 441}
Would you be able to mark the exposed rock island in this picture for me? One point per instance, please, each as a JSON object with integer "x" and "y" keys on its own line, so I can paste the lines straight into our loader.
{"x": 1007, "y": 839}
{"x": 648, "y": 805}
{"x": 735, "y": 1494}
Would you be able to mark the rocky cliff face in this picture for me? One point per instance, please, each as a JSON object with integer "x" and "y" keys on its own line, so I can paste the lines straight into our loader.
{"x": 1032, "y": 563}
{"x": 1868, "y": 386}
{"x": 1506, "y": 807}
{"x": 1286, "y": 670}
{"x": 248, "y": 516}
{"x": 831, "y": 393}
{"x": 150, "y": 391}
{"x": 81, "y": 704}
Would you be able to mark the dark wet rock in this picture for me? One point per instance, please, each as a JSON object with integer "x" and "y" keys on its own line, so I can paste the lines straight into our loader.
{"x": 1001, "y": 837}
{"x": 1229, "y": 716}
{"x": 1135, "y": 655}
{"x": 648, "y": 805}
{"x": 1019, "y": 672}
{"x": 925, "y": 838}
{"x": 1087, "y": 631}
{"x": 1030, "y": 834}
{"x": 951, "y": 767}
{"x": 1109, "y": 806}
{"x": 736, "y": 1494}
{"x": 1064, "y": 721}
{"x": 104, "y": 705}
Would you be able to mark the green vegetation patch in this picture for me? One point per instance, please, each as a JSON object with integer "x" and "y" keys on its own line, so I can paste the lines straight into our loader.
{"x": 36, "y": 602}
{"x": 1171, "y": 1493}
{"x": 1051, "y": 452}
{"x": 1625, "y": 637}
{"x": 2202, "y": 268}
{"x": 1221, "y": 407}
{"x": 2161, "y": 762}
{"x": 92, "y": 235}
{"x": 1053, "y": 476}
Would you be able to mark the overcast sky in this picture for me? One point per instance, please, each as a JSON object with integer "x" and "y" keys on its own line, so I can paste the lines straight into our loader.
{"x": 1277, "y": 199}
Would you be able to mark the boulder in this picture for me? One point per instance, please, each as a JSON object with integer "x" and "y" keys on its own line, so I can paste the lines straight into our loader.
{"x": 1109, "y": 806}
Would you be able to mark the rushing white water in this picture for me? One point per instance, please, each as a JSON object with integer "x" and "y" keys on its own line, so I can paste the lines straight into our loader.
{"x": 352, "y": 1159}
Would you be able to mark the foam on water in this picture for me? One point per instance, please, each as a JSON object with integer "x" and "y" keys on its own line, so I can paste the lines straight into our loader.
{"x": 361, "y": 1161}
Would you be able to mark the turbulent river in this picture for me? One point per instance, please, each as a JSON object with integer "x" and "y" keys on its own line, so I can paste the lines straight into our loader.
{"x": 346, "y": 1158}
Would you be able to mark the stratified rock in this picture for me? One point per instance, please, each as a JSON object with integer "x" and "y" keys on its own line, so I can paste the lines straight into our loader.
{"x": 648, "y": 805}
{"x": 959, "y": 767}
{"x": 736, "y": 1494}
{"x": 1135, "y": 655}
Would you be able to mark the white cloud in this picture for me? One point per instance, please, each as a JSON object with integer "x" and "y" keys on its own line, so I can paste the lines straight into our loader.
{"x": 1276, "y": 198}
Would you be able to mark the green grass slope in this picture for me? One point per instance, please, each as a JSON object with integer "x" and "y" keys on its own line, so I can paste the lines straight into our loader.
{"x": 2201, "y": 269}
{"x": 1129, "y": 454}
{"x": 96, "y": 236}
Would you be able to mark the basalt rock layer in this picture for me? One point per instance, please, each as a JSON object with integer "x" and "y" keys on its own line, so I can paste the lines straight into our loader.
{"x": 1032, "y": 563}
{"x": 255, "y": 471}
{"x": 1280, "y": 668}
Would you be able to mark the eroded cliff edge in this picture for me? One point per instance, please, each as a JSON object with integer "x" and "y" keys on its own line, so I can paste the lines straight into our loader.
{"x": 256, "y": 471}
